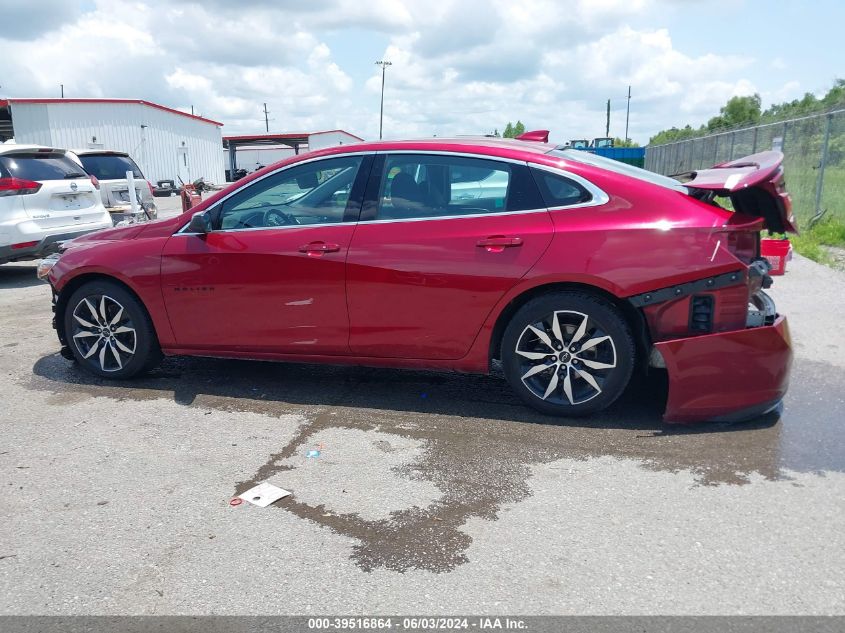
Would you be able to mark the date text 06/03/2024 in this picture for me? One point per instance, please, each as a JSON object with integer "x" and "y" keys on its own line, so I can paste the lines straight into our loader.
{"x": 417, "y": 623}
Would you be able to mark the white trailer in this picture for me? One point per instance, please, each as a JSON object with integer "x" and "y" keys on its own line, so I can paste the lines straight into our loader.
{"x": 167, "y": 144}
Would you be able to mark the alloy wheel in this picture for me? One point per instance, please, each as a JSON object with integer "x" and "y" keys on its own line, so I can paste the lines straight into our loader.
{"x": 565, "y": 358}
{"x": 103, "y": 332}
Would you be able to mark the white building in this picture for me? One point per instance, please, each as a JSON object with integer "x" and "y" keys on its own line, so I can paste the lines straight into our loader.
{"x": 252, "y": 151}
{"x": 166, "y": 143}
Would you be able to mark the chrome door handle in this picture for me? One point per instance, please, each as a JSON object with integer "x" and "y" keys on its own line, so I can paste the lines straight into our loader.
{"x": 498, "y": 243}
{"x": 318, "y": 248}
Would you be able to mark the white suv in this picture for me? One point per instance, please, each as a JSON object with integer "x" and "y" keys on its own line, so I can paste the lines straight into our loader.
{"x": 45, "y": 199}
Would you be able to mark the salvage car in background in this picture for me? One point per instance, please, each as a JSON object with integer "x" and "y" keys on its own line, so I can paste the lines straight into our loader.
{"x": 110, "y": 167}
{"x": 572, "y": 269}
{"x": 45, "y": 198}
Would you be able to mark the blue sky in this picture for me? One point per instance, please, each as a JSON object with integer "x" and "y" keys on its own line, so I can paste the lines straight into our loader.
{"x": 805, "y": 38}
{"x": 459, "y": 66}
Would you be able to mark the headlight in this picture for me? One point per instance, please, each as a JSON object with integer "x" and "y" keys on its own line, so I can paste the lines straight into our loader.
{"x": 45, "y": 265}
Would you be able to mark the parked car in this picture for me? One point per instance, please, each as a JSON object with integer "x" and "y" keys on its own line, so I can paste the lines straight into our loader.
{"x": 110, "y": 168}
{"x": 576, "y": 274}
{"x": 45, "y": 198}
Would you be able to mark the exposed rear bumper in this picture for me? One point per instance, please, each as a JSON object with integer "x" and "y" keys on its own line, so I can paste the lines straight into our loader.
{"x": 728, "y": 375}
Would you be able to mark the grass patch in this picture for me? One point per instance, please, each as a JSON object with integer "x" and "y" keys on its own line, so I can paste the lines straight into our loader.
{"x": 811, "y": 242}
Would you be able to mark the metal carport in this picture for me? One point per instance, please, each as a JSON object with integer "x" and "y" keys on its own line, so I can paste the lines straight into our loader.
{"x": 232, "y": 143}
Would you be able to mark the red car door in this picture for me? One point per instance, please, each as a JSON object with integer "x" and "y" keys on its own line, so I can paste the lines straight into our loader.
{"x": 442, "y": 238}
{"x": 270, "y": 276}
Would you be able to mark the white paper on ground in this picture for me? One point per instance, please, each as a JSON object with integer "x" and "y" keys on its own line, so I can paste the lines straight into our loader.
{"x": 264, "y": 494}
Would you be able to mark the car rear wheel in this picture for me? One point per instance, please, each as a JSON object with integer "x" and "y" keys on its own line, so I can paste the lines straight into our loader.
{"x": 568, "y": 353}
{"x": 109, "y": 332}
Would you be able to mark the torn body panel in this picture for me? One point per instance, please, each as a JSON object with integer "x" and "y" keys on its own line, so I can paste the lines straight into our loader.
{"x": 720, "y": 374}
{"x": 725, "y": 309}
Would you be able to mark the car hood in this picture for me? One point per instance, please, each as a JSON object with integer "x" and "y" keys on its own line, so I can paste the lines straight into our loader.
{"x": 108, "y": 235}
{"x": 155, "y": 228}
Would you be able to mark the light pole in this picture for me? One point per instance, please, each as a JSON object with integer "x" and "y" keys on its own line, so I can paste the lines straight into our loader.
{"x": 384, "y": 64}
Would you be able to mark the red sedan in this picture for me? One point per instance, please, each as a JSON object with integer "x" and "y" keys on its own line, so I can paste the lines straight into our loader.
{"x": 573, "y": 270}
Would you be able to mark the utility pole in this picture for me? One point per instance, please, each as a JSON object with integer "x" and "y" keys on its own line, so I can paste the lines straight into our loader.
{"x": 384, "y": 64}
{"x": 266, "y": 120}
{"x": 607, "y": 125}
{"x": 627, "y": 114}
{"x": 62, "y": 86}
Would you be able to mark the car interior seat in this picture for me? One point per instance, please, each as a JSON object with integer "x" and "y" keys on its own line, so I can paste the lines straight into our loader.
{"x": 406, "y": 196}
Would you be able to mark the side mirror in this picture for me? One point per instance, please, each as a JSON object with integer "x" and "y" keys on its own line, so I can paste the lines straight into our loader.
{"x": 200, "y": 223}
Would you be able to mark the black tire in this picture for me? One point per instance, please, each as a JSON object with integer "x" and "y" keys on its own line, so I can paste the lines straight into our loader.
{"x": 608, "y": 363}
{"x": 118, "y": 353}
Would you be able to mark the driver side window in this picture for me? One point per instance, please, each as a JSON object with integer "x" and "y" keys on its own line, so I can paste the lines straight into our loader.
{"x": 313, "y": 193}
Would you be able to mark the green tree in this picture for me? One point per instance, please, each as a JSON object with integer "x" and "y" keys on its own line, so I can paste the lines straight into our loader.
{"x": 745, "y": 111}
{"x": 618, "y": 142}
{"x": 737, "y": 112}
{"x": 835, "y": 97}
{"x": 674, "y": 134}
{"x": 513, "y": 130}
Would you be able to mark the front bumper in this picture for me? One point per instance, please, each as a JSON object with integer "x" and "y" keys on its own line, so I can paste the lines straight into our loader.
{"x": 727, "y": 375}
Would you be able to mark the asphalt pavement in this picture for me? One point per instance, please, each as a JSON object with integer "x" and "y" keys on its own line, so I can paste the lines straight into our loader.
{"x": 431, "y": 493}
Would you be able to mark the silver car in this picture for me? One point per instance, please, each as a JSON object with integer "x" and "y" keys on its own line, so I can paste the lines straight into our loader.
{"x": 109, "y": 168}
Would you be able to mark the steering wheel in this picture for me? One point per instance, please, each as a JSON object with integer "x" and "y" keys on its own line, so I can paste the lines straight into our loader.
{"x": 274, "y": 217}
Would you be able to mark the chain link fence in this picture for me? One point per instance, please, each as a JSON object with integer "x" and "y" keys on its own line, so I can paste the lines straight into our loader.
{"x": 814, "y": 158}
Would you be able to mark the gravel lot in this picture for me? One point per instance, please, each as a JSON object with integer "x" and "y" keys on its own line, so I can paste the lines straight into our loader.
{"x": 432, "y": 493}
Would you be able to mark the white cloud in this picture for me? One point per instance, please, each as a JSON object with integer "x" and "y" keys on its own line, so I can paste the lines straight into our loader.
{"x": 459, "y": 67}
{"x": 787, "y": 92}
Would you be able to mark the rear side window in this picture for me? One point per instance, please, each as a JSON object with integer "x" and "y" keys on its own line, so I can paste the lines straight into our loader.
{"x": 619, "y": 167}
{"x": 40, "y": 166}
{"x": 559, "y": 191}
{"x": 444, "y": 185}
{"x": 110, "y": 166}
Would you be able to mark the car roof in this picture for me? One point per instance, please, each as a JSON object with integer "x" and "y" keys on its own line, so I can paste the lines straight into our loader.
{"x": 513, "y": 149}
{"x": 6, "y": 148}
{"x": 456, "y": 142}
{"x": 100, "y": 152}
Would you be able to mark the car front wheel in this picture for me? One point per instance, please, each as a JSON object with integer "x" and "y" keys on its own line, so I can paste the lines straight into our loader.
{"x": 568, "y": 353}
{"x": 109, "y": 332}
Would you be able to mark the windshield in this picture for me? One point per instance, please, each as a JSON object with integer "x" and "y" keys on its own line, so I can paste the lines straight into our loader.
{"x": 110, "y": 166}
{"x": 40, "y": 166}
{"x": 620, "y": 168}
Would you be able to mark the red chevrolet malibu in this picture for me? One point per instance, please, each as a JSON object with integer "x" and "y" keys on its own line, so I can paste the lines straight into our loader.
{"x": 573, "y": 270}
